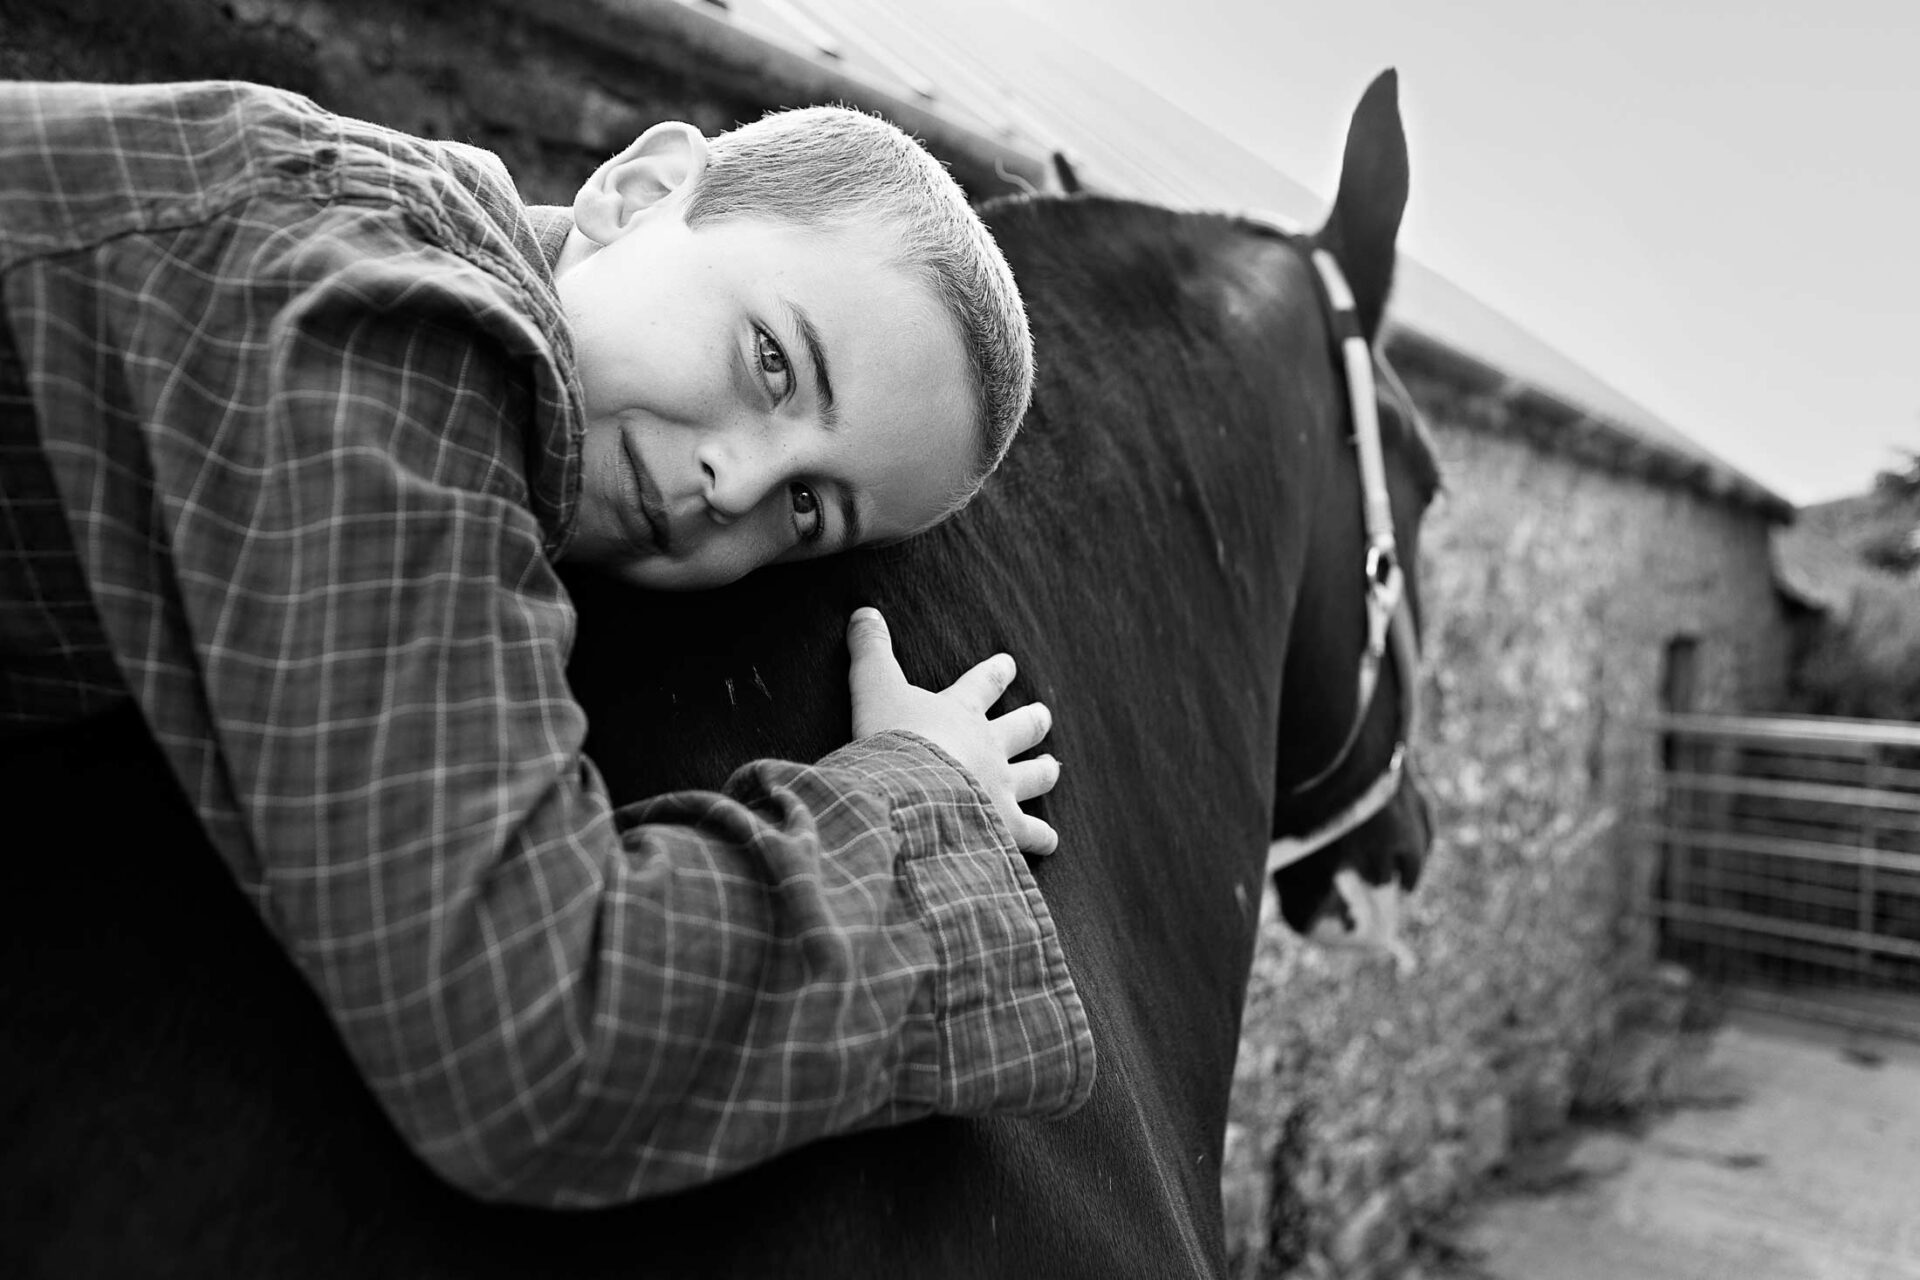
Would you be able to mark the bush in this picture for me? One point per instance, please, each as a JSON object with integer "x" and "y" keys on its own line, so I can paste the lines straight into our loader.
{"x": 1867, "y": 662}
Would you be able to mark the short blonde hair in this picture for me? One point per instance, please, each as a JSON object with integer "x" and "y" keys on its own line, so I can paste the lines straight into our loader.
{"x": 827, "y": 166}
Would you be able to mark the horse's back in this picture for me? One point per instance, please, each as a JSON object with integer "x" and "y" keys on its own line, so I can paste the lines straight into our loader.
{"x": 1137, "y": 552}
{"x": 179, "y": 1105}
{"x": 179, "y": 1101}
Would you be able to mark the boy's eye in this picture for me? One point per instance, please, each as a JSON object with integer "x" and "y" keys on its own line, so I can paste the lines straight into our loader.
{"x": 808, "y": 520}
{"x": 767, "y": 353}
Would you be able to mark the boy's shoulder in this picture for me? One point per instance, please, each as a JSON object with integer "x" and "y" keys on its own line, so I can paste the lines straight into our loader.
{"x": 80, "y": 163}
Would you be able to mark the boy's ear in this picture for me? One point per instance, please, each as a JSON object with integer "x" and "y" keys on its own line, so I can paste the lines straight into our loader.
{"x": 657, "y": 171}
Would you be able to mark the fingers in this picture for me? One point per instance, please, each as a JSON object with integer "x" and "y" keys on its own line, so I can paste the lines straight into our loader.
{"x": 957, "y": 722}
{"x": 871, "y": 645}
{"x": 1021, "y": 729}
{"x": 983, "y": 684}
{"x": 1032, "y": 835}
{"x": 1034, "y": 777}
{"x": 874, "y": 674}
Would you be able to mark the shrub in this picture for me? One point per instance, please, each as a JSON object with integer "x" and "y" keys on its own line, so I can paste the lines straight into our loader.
{"x": 1866, "y": 662}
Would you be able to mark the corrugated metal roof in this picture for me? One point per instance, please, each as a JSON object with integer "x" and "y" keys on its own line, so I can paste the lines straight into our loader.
{"x": 997, "y": 73}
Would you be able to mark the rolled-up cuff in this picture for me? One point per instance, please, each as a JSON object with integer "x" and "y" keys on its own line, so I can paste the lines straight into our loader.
{"x": 1001, "y": 1028}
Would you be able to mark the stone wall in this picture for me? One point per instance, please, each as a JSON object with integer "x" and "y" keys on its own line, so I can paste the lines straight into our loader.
{"x": 1554, "y": 577}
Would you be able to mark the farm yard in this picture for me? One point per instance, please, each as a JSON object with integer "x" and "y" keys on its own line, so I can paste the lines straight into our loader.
{"x": 1629, "y": 826}
{"x": 1774, "y": 1154}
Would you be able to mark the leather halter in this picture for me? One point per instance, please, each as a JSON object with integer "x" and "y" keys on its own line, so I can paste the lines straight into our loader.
{"x": 1389, "y": 619}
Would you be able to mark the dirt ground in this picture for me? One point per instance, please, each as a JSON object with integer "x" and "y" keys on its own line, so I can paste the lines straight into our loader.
{"x": 1792, "y": 1152}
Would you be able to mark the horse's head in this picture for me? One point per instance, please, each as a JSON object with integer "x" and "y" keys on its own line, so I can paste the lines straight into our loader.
{"x": 1350, "y": 822}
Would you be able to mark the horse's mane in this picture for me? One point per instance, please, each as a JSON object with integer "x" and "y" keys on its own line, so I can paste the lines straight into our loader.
{"x": 1109, "y": 240}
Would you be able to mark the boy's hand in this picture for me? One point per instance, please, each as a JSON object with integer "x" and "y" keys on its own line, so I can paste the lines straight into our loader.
{"x": 956, "y": 721}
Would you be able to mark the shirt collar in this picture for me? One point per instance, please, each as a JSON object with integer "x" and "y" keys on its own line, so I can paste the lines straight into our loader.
{"x": 551, "y": 222}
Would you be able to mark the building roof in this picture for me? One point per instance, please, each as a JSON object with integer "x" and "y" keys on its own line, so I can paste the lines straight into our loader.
{"x": 993, "y": 81}
{"x": 1816, "y": 572}
{"x": 1827, "y": 558}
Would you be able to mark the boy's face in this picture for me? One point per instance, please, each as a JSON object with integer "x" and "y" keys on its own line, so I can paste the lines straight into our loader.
{"x": 757, "y": 392}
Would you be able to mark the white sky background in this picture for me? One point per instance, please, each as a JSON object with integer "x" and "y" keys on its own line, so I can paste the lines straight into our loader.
{"x": 1714, "y": 205}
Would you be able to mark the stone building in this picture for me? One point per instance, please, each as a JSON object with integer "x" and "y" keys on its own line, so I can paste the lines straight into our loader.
{"x": 1586, "y": 563}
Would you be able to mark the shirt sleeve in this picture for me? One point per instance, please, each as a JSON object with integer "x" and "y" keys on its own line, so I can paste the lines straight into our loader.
{"x": 555, "y": 1003}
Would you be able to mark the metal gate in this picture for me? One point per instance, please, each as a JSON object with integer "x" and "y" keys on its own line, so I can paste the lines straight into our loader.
{"x": 1789, "y": 862}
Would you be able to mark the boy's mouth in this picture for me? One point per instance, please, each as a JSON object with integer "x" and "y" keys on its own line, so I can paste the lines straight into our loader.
{"x": 651, "y": 505}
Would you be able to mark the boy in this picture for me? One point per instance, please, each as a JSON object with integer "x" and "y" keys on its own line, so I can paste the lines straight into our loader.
{"x": 295, "y": 413}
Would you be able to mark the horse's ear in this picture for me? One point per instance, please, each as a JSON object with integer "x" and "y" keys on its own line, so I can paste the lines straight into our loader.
{"x": 1360, "y": 230}
{"x": 1064, "y": 175}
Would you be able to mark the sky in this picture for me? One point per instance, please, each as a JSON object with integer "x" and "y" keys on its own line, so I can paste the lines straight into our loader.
{"x": 1713, "y": 206}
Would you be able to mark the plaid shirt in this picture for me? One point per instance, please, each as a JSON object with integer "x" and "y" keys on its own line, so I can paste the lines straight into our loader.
{"x": 289, "y": 436}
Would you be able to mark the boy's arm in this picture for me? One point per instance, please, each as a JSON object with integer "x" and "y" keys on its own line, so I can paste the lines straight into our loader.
{"x": 556, "y": 1004}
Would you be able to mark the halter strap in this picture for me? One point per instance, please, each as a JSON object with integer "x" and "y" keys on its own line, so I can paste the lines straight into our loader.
{"x": 1386, "y": 584}
{"x": 1288, "y": 850}
{"x": 1389, "y": 620}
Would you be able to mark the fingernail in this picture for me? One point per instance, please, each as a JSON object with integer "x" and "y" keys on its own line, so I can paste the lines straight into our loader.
{"x": 866, "y": 611}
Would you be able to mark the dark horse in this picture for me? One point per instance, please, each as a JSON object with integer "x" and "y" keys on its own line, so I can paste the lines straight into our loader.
{"x": 1175, "y": 539}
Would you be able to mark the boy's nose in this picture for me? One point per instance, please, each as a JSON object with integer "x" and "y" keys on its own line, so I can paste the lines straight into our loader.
{"x": 739, "y": 475}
